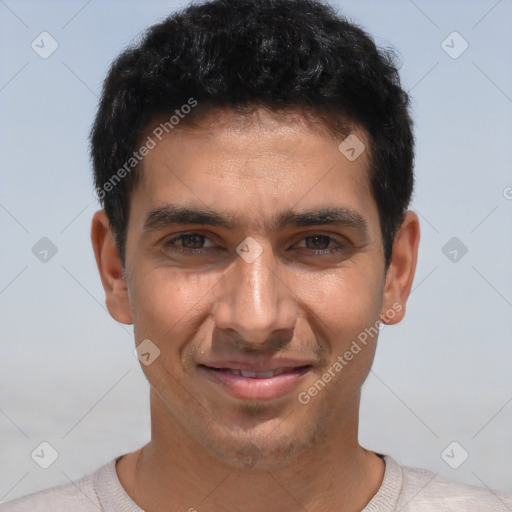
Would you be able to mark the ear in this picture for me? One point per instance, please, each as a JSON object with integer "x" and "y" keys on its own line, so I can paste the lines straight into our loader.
{"x": 110, "y": 268}
{"x": 400, "y": 274}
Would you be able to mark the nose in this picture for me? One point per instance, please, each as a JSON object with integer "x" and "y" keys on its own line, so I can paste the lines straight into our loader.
{"x": 255, "y": 303}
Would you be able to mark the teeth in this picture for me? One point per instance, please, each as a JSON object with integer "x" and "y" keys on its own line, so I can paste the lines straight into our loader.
{"x": 259, "y": 375}
{"x": 263, "y": 375}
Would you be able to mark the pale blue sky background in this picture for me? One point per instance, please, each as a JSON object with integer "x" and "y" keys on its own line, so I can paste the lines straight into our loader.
{"x": 67, "y": 373}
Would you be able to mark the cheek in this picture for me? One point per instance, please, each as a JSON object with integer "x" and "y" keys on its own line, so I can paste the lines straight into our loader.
{"x": 168, "y": 308}
{"x": 344, "y": 312}
{"x": 166, "y": 304}
{"x": 343, "y": 304}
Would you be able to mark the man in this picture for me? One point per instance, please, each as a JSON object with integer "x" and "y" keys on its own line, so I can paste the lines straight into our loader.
{"x": 254, "y": 160}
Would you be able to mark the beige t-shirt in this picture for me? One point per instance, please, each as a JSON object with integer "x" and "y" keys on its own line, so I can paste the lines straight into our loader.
{"x": 403, "y": 489}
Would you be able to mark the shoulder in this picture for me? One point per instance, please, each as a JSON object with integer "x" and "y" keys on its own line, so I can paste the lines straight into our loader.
{"x": 423, "y": 491}
{"x": 79, "y": 496}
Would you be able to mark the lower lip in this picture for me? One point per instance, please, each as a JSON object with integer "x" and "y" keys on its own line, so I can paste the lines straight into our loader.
{"x": 249, "y": 388}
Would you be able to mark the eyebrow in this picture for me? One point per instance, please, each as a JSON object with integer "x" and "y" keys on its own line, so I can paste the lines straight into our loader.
{"x": 172, "y": 214}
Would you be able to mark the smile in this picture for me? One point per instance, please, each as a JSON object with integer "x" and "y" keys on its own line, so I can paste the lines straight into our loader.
{"x": 256, "y": 375}
{"x": 255, "y": 385}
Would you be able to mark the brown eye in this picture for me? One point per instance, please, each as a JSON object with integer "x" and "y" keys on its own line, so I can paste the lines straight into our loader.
{"x": 192, "y": 241}
{"x": 318, "y": 242}
{"x": 189, "y": 242}
{"x": 322, "y": 245}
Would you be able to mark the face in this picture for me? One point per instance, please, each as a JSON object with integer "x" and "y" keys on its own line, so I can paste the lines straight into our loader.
{"x": 254, "y": 260}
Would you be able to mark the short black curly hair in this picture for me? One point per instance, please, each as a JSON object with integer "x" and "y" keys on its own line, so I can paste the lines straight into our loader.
{"x": 246, "y": 54}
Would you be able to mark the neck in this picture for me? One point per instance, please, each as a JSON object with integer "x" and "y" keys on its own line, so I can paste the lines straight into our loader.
{"x": 173, "y": 469}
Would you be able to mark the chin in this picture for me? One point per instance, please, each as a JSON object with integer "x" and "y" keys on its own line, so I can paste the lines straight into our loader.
{"x": 264, "y": 448}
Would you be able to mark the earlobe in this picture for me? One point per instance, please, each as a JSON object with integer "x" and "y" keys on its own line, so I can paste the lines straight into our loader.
{"x": 400, "y": 274}
{"x": 110, "y": 268}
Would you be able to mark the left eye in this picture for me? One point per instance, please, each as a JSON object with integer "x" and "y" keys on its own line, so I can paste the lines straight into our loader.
{"x": 317, "y": 242}
{"x": 321, "y": 244}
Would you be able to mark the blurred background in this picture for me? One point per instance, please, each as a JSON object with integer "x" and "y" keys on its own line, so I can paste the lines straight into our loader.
{"x": 440, "y": 393}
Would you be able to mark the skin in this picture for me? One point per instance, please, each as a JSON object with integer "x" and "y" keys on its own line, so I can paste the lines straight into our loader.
{"x": 299, "y": 299}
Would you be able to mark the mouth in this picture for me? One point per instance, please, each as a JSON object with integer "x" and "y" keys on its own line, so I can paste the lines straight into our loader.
{"x": 248, "y": 384}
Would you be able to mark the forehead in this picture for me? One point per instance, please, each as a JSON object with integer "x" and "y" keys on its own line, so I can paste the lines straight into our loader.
{"x": 255, "y": 166}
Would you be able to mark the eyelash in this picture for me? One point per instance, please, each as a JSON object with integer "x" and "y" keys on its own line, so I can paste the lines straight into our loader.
{"x": 171, "y": 243}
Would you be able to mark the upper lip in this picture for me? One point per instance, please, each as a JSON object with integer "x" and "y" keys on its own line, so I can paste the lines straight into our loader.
{"x": 260, "y": 366}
